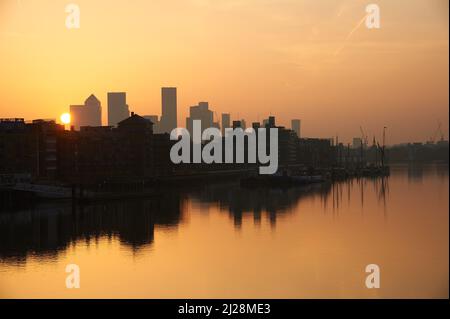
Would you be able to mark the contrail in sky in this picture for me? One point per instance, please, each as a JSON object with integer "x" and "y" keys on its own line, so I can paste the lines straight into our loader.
{"x": 358, "y": 25}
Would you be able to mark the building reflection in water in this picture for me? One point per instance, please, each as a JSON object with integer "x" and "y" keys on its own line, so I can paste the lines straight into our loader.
{"x": 418, "y": 171}
{"x": 46, "y": 230}
{"x": 258, "y": 202}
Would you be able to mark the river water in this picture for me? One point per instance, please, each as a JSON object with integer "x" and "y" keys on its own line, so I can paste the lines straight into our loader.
{"x": 222, "y": 241}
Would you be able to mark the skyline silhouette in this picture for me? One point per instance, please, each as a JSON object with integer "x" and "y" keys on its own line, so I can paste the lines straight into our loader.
{"x": 274, "y": 149}
{"x": 249, "y": 59}
{"x": 92, "y": 114}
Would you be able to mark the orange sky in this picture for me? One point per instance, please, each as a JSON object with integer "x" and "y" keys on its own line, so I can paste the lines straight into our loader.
{"x": 291, "y": 58}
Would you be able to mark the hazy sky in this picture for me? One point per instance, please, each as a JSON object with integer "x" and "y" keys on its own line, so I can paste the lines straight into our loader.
{"x": 293, "y": 58}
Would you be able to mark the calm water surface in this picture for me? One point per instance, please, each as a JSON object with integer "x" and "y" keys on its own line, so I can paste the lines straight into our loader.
{"x": 226, "y": 242}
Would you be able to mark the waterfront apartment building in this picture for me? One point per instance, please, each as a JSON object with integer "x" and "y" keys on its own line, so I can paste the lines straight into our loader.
{"x": 129, "y": 153}
{"x": 30, "y": 148}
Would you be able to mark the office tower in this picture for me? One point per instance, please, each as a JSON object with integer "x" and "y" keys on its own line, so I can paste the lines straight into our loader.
{"x": 89, "y": 114}
{"x": 200, "y": 112}
{"x": 226, "y": 121}
{"x": 271, "y": 121}
{"x": 243, "y": 124}
{"x": 295, "y": 126}
{"x": 169, "y": 109}
{"x": 117, "y": 107}
{"x": 237, "y": 124}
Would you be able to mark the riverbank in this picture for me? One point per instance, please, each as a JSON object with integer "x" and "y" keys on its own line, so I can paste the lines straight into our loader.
{"x": 22, "y": 193}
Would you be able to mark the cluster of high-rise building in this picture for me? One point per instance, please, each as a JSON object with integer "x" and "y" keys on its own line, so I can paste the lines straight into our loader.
{"x": 130, "y": 147}
{"x": 90, "y": 114}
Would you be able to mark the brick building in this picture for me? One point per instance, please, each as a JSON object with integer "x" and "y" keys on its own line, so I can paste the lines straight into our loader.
{"x": 30, "y": 148}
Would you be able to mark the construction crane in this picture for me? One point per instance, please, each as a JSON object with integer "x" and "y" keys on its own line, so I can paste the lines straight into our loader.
{"x": 364, "y": 142}
{"x": 439, "y": 132}
{"x": 364, "y": 137}
{"x": 382, "y": 148}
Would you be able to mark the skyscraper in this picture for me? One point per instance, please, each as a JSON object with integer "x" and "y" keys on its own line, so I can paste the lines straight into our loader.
{"x": 117, "y": 107}
{"x": 89, "y": 114}
{"x": 226, "y": 122}
{"x": 169, "y": 109}
{"x": 200, "y": 112}
{"x": 269, "y": 122}
{"x": 237, "y": 124}
{"x": 295, "y": 126}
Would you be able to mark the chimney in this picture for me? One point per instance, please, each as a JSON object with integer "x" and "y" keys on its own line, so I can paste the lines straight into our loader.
{"x": 132, "y": 113}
